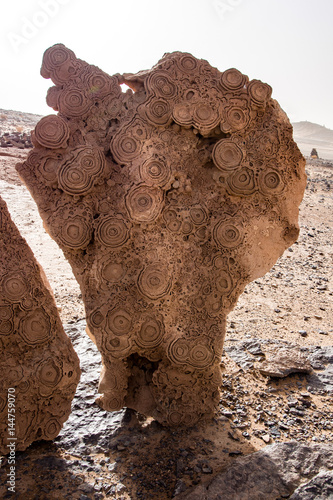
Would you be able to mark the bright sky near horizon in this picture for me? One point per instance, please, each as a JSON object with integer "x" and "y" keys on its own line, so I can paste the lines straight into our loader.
{"x": 286, "y": 43}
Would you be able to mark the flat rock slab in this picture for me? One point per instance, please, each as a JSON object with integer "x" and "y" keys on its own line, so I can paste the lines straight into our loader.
{"x": 284, "y": 361}
{"x": 278, "y": 359}
{"x": 320, "y": 488}
{"x": 273, "y": 472}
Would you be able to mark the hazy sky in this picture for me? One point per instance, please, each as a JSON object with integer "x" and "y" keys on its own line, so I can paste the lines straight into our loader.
{"x": 286, "y": 43}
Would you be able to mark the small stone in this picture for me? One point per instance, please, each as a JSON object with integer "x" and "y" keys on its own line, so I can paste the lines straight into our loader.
{"x": 86, "y": 488}
{"x": 266, "y": 438}
{"x": 180, "y": 486}
{"x": 206, "y": 469}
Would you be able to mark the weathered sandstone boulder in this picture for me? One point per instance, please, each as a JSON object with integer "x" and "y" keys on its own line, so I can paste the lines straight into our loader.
{"x": 39, "y": 370}
{"x": 166, "y": 200}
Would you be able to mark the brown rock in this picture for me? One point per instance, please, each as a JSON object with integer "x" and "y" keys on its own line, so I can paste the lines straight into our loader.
{"x": 283, "y": 362}
{"x": 274, "y": 472}
{"x": 166, "y": 202}
{"x": 39, "y": 369}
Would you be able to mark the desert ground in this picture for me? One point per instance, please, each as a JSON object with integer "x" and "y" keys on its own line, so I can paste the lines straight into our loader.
{"x": 281, "y": 320}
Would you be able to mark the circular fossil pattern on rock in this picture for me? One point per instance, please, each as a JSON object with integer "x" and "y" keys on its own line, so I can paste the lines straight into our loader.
{"x": 100, "y": 85}
{"x": 158, "y": 111}
{"x": 6, "y": 327}
{"x": 224, "y": 282}
{"x": 119, "y": 321}
{"x": 112, "y": 232}
{"x": 228, "y": 233}
{"x": 154, "y": 281}
{"x": 204, "y": 116}
{"x": 161, "y": 85}
{"x": 182, "y": 114}
{"x": 78, "y": 175}
{"x": 52, "y": 97}
{"x": 242, "y": 182}
{"x": 198, "y": 215}
{"x": 270, "y": 182}
{"x": 97, "y": 318}
{"x": 144, "y": 203}
{"x": 124, "y": 147}
{"x": 188, "y": 64}
{"x": 174, "y": 225}
{"x": 49, "y": 373}
{"x": 232, "y": 79}
{"x": 178, "y": 351}
{"x": 74, "y": 103}
{"x": 113, "y": 271}
{"x": 35, "y": 327}
{"x": 227, "y": 155}
{"x": 187, "y": 227}
{"x": 6, "y": 312}
{"x": 73, "y": 180}
{"x": 237, "y": 118}
{"x": 155, "y": 171}
{"x": 52, "y": 132}
{"x": 150, "y": 335}
{"x": 260, "y": 92}
{"x": 200, "y": 356}
{"x": 48, "y": 169}
{"x": 51, "y": 429}
{"x": 56, "y": 56}
{"x": 118, "y": 346}
{"x": 14, "y": 287}
{"x": 75, "y": 232}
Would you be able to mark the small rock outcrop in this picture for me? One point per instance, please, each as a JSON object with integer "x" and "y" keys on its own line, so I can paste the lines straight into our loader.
{"x": 39, "y": 369}
{"x": 166, "y": 200}
{"x": 282, "y": 362}
{"x": 314, "y": 154}
{"x": 16, "y": 140}
{"x": 273, "y": 472}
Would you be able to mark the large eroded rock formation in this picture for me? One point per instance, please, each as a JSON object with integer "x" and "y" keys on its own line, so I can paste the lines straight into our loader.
{"x": 166, "y": 201}
{"x": 39, "y": 370}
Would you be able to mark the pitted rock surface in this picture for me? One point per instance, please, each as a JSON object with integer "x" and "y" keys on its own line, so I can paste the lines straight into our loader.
{"x": 166, "y": 201}
{"x": 39, "y": 369}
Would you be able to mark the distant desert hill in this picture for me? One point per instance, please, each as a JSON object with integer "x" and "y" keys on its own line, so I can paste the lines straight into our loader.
{"x": 17, "y": 121}
{"x": 310, "y": 135}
